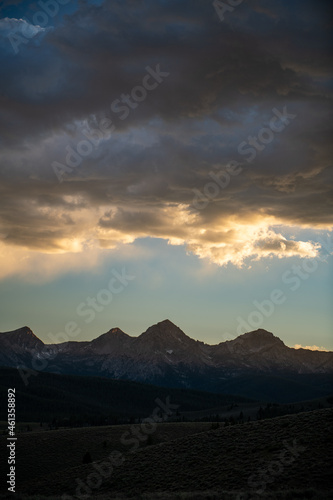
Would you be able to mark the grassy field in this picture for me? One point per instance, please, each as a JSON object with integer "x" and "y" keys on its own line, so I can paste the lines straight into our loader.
{"x": 285, "y": 457}
{"x": 43, "y": 454}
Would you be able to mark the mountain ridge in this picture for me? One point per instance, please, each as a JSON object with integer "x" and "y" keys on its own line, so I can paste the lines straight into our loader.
{"x": 166, "y": 324}
{"x": 165, "y": 356}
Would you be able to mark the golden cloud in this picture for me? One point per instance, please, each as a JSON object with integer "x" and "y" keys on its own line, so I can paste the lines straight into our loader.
{"x": 310, "y": 347}
{"x": 91, "y": 232}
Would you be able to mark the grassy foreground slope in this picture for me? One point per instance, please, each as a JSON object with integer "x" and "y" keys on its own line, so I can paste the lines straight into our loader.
{"x": 285, "y": 454}
{"x": 42, "y": 454}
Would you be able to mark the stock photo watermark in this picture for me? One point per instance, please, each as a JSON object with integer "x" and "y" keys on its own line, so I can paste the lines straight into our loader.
{"x": 137, "y": 433}
{"x": 11, "y": 481}
{"x": 86, "y": 309}
{"x": 40, "y": 19}
{"x": 122, "y": 107}
{"x": 293, "y": 278}
{"x": 249, "y": 149}
{"x": 258, "y": 481}
{"x": 222, "y": 8}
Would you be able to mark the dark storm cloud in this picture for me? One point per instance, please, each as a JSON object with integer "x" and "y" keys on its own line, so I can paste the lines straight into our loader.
{"x": 224, "y": 80}
{"x": 100, "y": 52}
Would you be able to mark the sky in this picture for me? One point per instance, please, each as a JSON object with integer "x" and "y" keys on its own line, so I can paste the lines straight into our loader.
{"x": 166, "y": 159}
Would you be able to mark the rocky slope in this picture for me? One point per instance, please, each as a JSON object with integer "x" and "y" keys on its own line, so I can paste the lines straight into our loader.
{"x": 165, "y": 355}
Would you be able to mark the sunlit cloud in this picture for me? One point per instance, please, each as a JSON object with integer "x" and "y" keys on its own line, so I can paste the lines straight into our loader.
{"x": 311, "y": 347}
{"x": 61, "y": 241}
{"x": 139, "y": 180}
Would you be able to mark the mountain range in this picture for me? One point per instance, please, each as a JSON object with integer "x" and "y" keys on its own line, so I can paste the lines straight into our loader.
{"x": 253, "y": 365}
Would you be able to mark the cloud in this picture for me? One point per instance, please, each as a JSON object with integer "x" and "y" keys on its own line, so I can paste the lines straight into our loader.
{"x": 139, "y": 181}
{"x": 140, "y": 184}
{"x": 100, "y": 48}
{"x": 311, "y": 347}
{"x": 228, "y": 240}
{"x": 19, "y": 31}
{"x": 41, "y": 267}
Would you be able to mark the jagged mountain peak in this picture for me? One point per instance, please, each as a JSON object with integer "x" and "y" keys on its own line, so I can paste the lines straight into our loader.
{"x": 259, "y": 336}
{"x": 167, "y": 323}
{"x": 165, "y": 355}
{"x": 166, "y": 330}
{"x": 111, "y": 342}
{"x": 116, "y": 332}
{"x": 165, "y": 343}
{"x": 256, "y": 341}
{"x": 23, "y": 337}
{"x": 260, "y": 331}
{"x": 21, "y": 330}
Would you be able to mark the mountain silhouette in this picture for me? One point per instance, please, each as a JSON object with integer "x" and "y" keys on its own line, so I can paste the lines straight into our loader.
{"x": 164, "y": 355}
